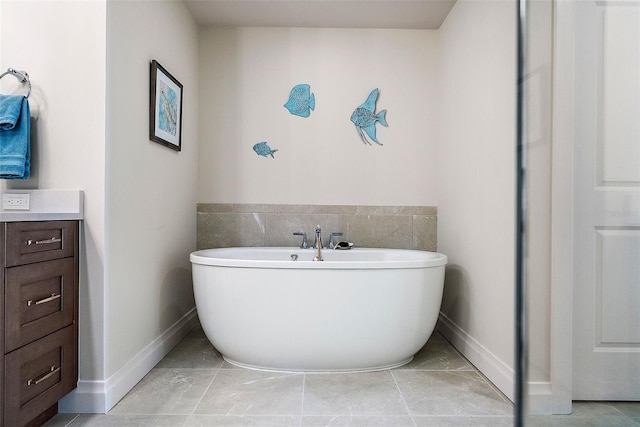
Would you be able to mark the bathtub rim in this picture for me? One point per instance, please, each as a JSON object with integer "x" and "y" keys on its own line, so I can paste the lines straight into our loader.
{"x": 416, "y": 258}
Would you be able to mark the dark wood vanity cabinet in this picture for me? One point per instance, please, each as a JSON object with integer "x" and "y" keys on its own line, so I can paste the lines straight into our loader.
{"x": 38, "y": 319}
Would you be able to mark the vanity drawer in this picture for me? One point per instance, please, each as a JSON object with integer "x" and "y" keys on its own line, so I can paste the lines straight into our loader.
{"x": 29, "y": 242}
{"x": 38, "y": 375}
{"x": 39, "y": 299}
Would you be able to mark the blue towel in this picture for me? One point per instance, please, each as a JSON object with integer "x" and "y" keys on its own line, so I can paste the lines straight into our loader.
{"x": 15, "y": 137}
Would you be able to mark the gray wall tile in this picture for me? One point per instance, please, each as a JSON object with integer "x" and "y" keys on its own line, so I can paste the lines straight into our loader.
{"x": 219, "y": 230}
{"x": 381, "y": 231}
{"x": 402, "y": 227}
{"x": 425, "y": 232}
{"x": 280, "y": 227}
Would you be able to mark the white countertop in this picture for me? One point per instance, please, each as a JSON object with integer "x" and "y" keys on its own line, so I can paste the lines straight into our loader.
{"x": 46, "y": 205}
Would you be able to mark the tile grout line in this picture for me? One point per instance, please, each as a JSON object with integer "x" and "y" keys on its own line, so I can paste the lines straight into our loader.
{"x": 189, "y": 418}
{"x": 186, "y": 421}
{"x": 493, "y": 387}
{"x": 402, "y": 397}
{"x": 71, "y": 422}
{"x": 304, "y": 381}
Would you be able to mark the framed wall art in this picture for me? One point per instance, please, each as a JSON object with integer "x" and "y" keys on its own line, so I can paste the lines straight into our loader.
{"x": 165, "y": 108}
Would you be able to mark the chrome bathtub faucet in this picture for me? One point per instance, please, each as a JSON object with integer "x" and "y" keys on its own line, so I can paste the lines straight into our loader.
{"x": 318, "y": 244}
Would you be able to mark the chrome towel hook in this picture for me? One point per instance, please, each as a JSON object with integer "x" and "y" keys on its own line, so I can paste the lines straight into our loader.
{"x": 22, "y": 76}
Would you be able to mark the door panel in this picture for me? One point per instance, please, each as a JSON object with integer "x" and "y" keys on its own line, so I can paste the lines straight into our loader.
{"x": 606, "y": 356}
{"x": 617, "y": 290}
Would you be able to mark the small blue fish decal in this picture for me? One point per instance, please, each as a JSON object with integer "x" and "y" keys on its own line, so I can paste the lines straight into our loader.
{"x": 365, "y": 119}
{"x": 301, "y": 101}
{"x": 263, "y": 149}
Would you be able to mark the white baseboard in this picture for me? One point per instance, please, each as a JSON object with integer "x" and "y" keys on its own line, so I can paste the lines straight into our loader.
{"x": 540, "y": 398}
{"x": 539, "y": 394}
{"x": 498, "y": 372}
{"x": 87, "y": 398}
{"x": 100, "y": 396}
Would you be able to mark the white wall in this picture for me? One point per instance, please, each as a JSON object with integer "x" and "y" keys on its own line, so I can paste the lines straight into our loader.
{"x": 150, "y": 189}
{"x": 90, "y": 79}
{"x": 476, "y": 174}
{"x": 245, "y": 78}
{"x": 62, "y": 47}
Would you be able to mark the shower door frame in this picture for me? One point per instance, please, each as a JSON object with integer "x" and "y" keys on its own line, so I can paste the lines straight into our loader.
{"x": 556, "y": 396}
{"x": 561, "y": 348}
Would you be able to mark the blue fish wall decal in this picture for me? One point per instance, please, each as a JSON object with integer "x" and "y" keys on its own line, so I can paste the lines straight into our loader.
{"x": 365, "y": 118}
{"x": 263, "y": 149}
{"x": 301, "y": 101}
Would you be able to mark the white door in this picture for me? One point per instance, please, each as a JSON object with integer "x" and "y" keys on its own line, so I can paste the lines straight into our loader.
{"x": 606, "y": 316}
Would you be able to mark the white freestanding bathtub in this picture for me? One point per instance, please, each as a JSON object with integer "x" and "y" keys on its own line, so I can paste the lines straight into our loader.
{"x": 358, "y": 310}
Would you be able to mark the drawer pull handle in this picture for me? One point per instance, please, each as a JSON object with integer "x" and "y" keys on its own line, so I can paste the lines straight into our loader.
{"x": 44, "y": 242}
{"x": 49, "y": 374}
{"x": 45, "y": 300}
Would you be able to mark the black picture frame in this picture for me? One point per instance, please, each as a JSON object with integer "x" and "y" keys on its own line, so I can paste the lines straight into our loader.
{"x": 165, "y": 107}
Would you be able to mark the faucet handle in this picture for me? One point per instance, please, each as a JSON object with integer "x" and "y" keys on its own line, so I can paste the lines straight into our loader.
{"x": 335, "y": 234}
{"x": 304, "y": 244}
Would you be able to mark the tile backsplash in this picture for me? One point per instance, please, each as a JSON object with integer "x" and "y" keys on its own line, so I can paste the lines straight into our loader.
{"x": 403, "y": 227}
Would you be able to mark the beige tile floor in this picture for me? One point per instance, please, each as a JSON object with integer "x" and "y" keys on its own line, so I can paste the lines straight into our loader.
{"x": 193, "y": 386}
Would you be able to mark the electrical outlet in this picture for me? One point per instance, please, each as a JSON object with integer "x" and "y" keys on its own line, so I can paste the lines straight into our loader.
{"x": 15, "y": 201}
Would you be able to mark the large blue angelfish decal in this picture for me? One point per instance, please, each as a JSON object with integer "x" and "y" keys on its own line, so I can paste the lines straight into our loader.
{"x": 365, "y": 118}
